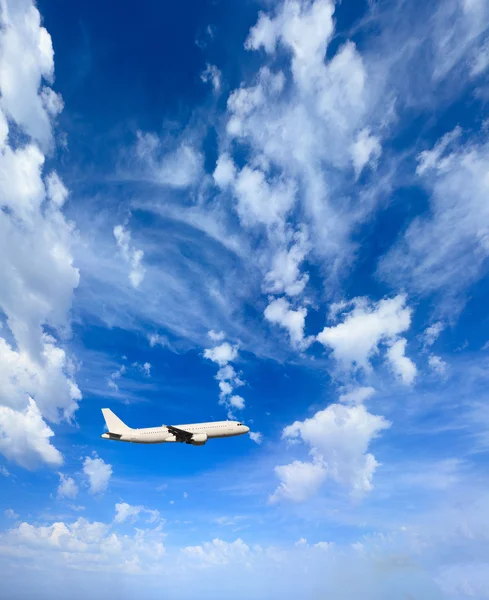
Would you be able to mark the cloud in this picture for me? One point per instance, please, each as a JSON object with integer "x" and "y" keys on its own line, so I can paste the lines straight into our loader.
{"x": 226, "y": 376}
{"x": 37, "y": 376}
{"x": 216, "y": 336}
{"x": 10, "y": 514}
{"x": 131, "y": 255}
{"x": 222, "y": 354}
{"x": 365, "y": 150}
{"x": 4, "y": 471}
{"x": 432, "y": 333}
{"x": 285, "y": 276}
{"x": 178, "y": 168}
{"x": 155, "y": 339}
{"x": 280, "y": 313}
{"x": 338, "y": 438}
{"x": 401, "y": 364}
{"x": 437, "y": 364}
{"x": 357, "y": 396}
{"x": 145, "y": 368}
{"x": 257, "y": 437}
{"x": 368, "y": 324}
{"x": 24, "y": 437}
{"x": 212, "y": 75}
{"x": 67, "y": 487}
{"x": 299, "y": 481}
{"x": 127, "y": 512}
{"x": 87, "y": 545}
{"x": 98, "y": 474}
{"x": 27, "y": 61}
{"x": 237, "y": 402}
{"x": 454, "y": 174}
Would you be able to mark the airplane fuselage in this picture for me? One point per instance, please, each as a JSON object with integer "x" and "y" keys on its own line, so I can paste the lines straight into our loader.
{"x": 201, "y": 432}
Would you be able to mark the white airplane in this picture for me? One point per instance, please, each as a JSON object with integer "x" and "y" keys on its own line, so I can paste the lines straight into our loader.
{"x": 196, "y": 434}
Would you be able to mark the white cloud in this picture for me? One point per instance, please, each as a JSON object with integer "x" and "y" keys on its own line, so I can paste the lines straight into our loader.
{"x": 155, "y": 339}
{"x": 280, "y": 313}
{"x": 225, "y": 171}
{"x": 237, "y": 402}
{"x": 87, "y": 546}
{"x": 284, "y": 275}
{"x": 364, "y": 328}
{"x": 24, "y": 437}
{"x": 222, "y": 354}
{"x": 432, "y": 333}
{"x": 4, "y": 471}
{"x": 216, "y": 336}
{"x": 401, "y": 364}
{"x": 338, "y": 437}
{"x": 98, "y": 473}
{"x": 115, "y": 376}
{"x": 67, "y": 487}
{"x": 299, "y": 481}
{"x": 145, "y": 368}
{"x": 213, "y": 75}
{"x": 437, "y": 364}
{"x": 226, "y": 376}
{"x": 256, "y": 436}
{"x": 27, "y": 60}
{"x": 456, "y": 176}
{"x": 127, "y": 512}
{"x": 366, "y": 149}
{"x": 178, "y": 168}
{"x": 218, "y": 552}
{"x": 131, "y": 255}
{"x": 185, "y": 494}
{"x": 36, "y": 378}
{"x": 357, "y": 396}
{"x": 10, "y": 513}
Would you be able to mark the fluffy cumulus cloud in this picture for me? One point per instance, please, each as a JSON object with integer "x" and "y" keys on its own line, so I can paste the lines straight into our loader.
{"x": 365, "y": 327}
{"x": 36, "y": 374}
{"x": 280, "y": 313}
{"x": 25, "y": 437}
{"x": 127, "y": 512}
{"x": 222, "y": 354}
{"x": 338, "y": 438}
{"x": 98, "y": 474}
{"x": 131, "y": 255}
{"x": 299, "y": 481}
{"x": 87, "y": 545}
{"x": 403, "y": 366}
{"x": 227, "y": 377}
{"x": 67, "y": 487}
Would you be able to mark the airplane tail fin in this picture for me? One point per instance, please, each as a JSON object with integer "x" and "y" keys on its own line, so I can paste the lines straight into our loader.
{"x": 114, "y": 424}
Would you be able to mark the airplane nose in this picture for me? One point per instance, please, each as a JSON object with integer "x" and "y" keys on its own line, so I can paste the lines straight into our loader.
{"x": 247, "y": 429}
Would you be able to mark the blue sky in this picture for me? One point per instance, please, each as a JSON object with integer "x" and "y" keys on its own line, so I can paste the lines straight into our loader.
{"x": 274, "y": 212}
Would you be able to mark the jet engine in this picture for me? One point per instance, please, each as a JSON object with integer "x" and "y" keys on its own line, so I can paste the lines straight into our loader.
{"x": 198, "y": 439}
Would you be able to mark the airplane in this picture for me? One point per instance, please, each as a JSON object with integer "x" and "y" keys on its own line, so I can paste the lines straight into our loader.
{"x": 195, "y": 434}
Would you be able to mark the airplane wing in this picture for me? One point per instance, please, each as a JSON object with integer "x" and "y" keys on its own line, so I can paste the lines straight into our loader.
{"x": 180, "y": 434}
